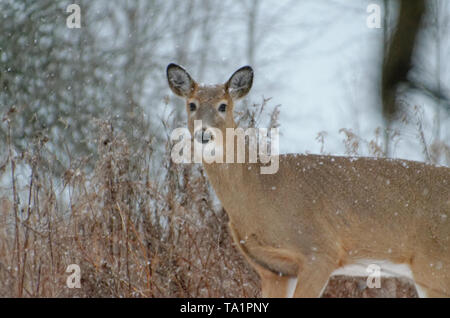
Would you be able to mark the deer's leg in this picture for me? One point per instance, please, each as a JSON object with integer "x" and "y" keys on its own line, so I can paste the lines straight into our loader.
{"x": 430, "y": 292}
{"x": 275, "y": 286}
{"x": 431, "y": 276}
{"x": 312, "y": 280}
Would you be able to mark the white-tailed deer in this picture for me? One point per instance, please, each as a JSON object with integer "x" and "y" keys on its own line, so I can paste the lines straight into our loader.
{"x": 318, "y": 214}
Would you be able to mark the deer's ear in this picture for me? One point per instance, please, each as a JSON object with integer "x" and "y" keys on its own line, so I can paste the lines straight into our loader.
{"x": 240, "y": 82}
{"x": 180, "y": 82}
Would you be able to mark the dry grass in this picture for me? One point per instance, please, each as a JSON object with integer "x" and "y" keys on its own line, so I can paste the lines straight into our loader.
{"x": 132, "y": 232}
{"x": 410, "y": 126}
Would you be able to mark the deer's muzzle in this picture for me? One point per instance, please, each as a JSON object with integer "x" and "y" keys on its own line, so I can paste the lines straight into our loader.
{"x": 203, "y": 135}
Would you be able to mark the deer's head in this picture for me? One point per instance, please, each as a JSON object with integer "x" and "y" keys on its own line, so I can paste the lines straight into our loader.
{"x": 212, "y": 104}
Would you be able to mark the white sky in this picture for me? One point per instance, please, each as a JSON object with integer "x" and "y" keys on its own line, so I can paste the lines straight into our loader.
{"x": 326, "y": 78}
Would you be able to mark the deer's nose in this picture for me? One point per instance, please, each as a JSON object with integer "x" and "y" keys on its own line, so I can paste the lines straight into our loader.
{"x": 203, "y": 135}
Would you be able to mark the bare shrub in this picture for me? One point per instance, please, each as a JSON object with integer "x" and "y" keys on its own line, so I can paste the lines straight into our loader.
{"x": 132, "y": 232}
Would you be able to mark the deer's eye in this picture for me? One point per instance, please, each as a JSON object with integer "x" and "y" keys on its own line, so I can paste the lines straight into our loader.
{"x": 222, "y": 107}
{"x": 192, "y": 107}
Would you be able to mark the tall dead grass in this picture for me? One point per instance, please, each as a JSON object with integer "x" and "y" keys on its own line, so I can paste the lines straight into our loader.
{"x": 133, "y": 232}
{"x": 410, "y": 127}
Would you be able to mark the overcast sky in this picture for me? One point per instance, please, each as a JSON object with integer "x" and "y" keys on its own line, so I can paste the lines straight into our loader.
{"x": 327, "y": 76}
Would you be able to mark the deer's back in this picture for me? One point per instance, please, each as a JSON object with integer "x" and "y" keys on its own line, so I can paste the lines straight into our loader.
{"x": 368, "y": 205}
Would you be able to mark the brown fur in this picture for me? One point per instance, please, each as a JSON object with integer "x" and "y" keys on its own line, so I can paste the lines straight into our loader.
{"x": 318, "y": 213}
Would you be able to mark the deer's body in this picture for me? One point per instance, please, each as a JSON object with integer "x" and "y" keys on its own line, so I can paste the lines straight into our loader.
{"x": 335, "y": 210}
{"x": 320, "y": 213}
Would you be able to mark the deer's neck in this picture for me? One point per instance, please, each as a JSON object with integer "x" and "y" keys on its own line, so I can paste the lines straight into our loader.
{"x": 227, "y": 179}
{"x": 231, "y": 182}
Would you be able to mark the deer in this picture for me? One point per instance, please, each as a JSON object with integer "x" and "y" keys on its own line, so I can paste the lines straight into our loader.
{"x": 319, "y": 215}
